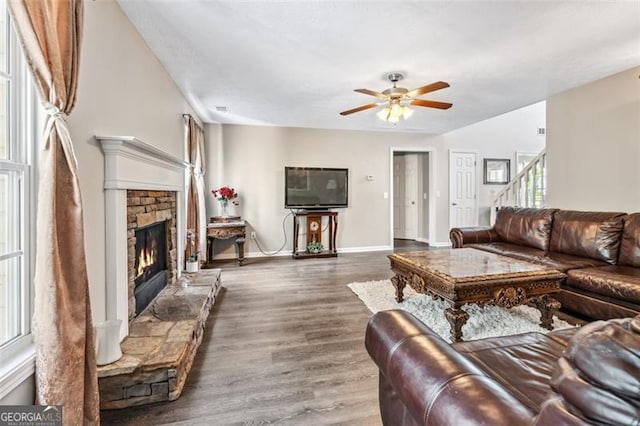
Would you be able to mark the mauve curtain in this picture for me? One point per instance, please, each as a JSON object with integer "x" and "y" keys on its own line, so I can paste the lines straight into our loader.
{"x": 50, "y": 34}
{"x": 196, "y": 216}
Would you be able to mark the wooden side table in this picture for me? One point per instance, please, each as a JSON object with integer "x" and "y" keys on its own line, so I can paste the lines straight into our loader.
{"x": 225, "y": 228}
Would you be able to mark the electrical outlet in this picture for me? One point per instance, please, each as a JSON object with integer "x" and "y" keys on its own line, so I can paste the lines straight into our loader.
{"x": 253, "y": 235}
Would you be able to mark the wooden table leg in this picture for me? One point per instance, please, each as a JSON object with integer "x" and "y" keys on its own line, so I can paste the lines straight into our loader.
{"x": 209, "y": 249}
{"x": 240, "y": 244}
{"x": 457, "y": 319}
{"x": 399, "y": 283}
{"x": 547, "y": 306}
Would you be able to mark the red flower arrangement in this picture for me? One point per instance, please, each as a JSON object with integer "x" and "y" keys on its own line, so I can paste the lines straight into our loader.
{"x": 225, "y": 194}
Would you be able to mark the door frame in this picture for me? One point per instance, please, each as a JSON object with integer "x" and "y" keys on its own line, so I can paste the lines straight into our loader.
{"x": 451, "y": 187}
{"x": 432, "y": 189}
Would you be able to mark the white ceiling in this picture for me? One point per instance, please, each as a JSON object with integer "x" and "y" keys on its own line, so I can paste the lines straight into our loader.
{"x": 296, "y": 63}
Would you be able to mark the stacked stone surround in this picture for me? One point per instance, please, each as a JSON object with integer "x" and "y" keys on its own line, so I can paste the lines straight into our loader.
{"x": 162, "y": 344}
{"x": 146, "y": 208}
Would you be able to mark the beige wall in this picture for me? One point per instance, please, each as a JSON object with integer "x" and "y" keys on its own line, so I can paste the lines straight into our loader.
{"x": 123, "y": 90}
{"x": 252, "y": 159}
{"x": 593, "y": 145}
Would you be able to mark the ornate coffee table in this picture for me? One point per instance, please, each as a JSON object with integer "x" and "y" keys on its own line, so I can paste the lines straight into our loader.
{"x": 467, "y": 275}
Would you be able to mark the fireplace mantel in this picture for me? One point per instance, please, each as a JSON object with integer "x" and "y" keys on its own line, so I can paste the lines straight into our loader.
{"x": 131, "y": 164}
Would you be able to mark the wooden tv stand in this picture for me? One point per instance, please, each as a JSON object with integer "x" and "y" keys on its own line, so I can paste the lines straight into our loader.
{"x": 313, "y": 224}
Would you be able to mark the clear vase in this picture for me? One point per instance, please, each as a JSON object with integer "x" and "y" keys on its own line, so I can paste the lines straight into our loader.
{"x": 224, "y": 208}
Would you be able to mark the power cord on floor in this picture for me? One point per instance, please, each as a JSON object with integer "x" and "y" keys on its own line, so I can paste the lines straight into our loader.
{"x": 284, "y": 232}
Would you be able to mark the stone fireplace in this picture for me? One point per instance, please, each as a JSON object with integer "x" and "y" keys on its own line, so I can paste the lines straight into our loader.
{"x": 143, "y": 186}
{"x": 151, "y": 238}
{"x": 163, "y": 315}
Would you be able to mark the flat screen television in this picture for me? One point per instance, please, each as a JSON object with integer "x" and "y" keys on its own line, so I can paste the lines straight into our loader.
{"x": 315, "y": 187}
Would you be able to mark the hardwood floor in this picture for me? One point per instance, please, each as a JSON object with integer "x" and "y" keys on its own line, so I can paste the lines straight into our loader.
{"x": 284, "y": 344}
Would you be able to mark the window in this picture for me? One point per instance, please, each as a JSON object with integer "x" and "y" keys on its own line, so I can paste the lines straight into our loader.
{"x": 16, "y": 180}
{"x": 523, "y": 159}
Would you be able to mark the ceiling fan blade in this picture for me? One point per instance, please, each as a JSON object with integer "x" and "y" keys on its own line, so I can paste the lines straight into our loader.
{"x": 372, "y": 93}
{"x": 360, "y": 108}
{"x": 431, "y": 104}
{"x": 426, "y": 89}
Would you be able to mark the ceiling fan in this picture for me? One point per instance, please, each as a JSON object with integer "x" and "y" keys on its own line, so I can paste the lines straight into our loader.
{"x": 396, "y": 99}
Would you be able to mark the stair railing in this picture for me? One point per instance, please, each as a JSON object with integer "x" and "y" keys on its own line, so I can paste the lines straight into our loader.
{"x": 527, "y": 189}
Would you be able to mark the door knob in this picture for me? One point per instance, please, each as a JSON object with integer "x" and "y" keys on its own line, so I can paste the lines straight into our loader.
{"x": 454, "y": 204}
{"x": 413, "y": 202}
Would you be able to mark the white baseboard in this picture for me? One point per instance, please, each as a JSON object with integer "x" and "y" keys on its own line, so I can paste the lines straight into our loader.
{"x": 255, "y": 254}
{"x": 434, "y": 244}
{"x": 364, "y": 249}
{"x": 440, "y": 244}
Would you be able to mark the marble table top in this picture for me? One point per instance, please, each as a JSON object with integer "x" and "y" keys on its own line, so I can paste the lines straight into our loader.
{"x": 468, "y": 264}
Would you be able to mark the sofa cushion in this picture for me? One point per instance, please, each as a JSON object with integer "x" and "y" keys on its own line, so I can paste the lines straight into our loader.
{"x": 595, "y": 235}
{"x": 630, "y": 244}
{"x": 563, "y": 262}
{"x": 511, "y": 250}
{"x": 619, "y": 282}
{"x": 522, "y": 363}
{"x": 586, "y": 304}
{"x": 560, "y": 261}
{"x": 528, "y": 227}
{"x": 563, "y": 335}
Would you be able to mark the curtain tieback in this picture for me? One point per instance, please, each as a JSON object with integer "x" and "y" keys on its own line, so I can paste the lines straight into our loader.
{"x": 54, "y": 115}
{"x": 195, "y": 170}
{"x": 53, "y": 111}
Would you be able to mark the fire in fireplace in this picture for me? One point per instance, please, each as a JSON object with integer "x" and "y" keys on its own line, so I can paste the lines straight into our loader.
{"x": 150, "y": 267}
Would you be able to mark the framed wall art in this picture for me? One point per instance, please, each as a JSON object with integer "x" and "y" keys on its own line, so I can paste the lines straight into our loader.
{"x": 497, "y": 171}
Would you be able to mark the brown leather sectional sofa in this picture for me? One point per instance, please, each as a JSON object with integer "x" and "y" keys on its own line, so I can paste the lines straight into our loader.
{"x": 589, "y": 375}
{"x": 599, "y": 252}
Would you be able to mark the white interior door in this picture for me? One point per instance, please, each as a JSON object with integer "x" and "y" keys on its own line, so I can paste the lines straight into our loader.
{"x": 405, "y": 196}
{"x": 463, "y": 210}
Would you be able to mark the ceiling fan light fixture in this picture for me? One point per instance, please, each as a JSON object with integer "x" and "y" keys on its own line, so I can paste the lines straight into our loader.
{"x": 396, "y": 110}
{"x": 383, "y": 114}
{"x": 395, "y": 100}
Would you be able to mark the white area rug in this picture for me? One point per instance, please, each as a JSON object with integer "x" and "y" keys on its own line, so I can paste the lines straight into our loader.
{"x": 487, "y": 321}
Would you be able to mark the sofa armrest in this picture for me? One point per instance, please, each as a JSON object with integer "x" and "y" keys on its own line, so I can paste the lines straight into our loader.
{"x": 436, "y": 384}
{"x": 474, "y": 234}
